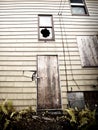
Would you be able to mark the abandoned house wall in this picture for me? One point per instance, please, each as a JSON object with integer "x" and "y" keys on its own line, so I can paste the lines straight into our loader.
{"x": 20, "y": 46}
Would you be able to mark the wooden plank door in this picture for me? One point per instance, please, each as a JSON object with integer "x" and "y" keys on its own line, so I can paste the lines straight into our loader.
{"x": 48, "y": 94}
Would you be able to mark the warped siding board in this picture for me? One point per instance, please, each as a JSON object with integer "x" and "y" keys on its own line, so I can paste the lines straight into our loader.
{"x": 19, "y": 47}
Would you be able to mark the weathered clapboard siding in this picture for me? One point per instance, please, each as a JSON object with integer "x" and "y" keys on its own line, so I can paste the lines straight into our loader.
{"x": 19, "y": 47}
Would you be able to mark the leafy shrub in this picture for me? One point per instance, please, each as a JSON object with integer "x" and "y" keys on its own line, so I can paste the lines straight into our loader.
{"x": 29, "y": 119}
{"x": 6, "y": 109}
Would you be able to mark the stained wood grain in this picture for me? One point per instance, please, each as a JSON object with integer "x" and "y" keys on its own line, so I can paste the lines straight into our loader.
{"x": 88, "y": 48}
{"x": 48, "y": 83}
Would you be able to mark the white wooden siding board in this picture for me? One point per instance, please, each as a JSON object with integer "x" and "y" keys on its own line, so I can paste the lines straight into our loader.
{"x": 82, "y": 33}
{"x": 30, "y": 45}
{"x": 21, "y": 16}
{"x": 37, "y": 53}
{"x": 34, "y": 8}
{"x": 30, "y": 68}
{"x": 84, "y": 88}
{"x": 31, "y": 31}
{"x": 90, "y": 23}
{"x": 68, "y": 67}
{"x": 57, "y": 28}
{"x": 23, "y": 68}
{"x": 29, "y": 5}
{"x": 40, "y": 12}
{"x": 30, "y": 58}
{"x": 20, "y": 20}
{"x": 75, "y": 57}
{"x": 36, "y": 49}
{"x": 14, "y": 78}
{"x": 79, "y": 77}
{"x": 20, "y": 58}
{"x": 35, "y": 1}
{"x": 20, "y": 107}
{"x": 51, "y": 8}
{"x": 11, "y": 73}
{"x": 17, "y": 84}
{"x": 18, "y": 30}
{"x": 64, "y": 101}
{"x": 17, "y": 96}
{"x": 72, "y": 62}
{"x": 27, "y": 63}
{"x": 19, "y": 90}
{"x": 85, "y": 82}
{"x": 14, "y": 6}
{"x": 81, "y": 88}
{"x": 81, "y": 71}
{"x": 30, "y": 1}
{"x": 27, "y": 36}
{"x": 24, "y": 102}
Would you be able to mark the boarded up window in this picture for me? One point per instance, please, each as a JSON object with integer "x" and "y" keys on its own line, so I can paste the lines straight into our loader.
{"x": 91, "y": 98}
{"x": 80, "y": 99}
{"x": 76, "y": 99}
{"x": 88, "y": 48}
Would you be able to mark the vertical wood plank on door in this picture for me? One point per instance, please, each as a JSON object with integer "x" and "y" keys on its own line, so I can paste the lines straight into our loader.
{"x": 48, "y": 83}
